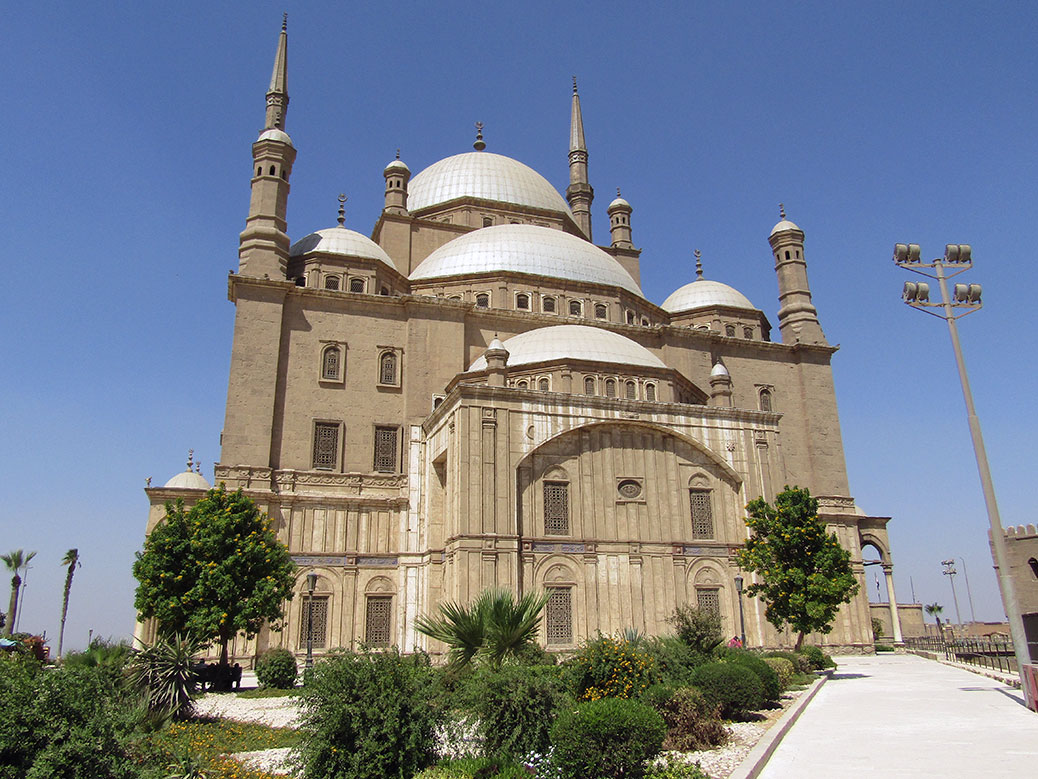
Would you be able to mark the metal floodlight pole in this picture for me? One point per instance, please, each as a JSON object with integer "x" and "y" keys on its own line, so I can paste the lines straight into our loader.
{"x": 311, "y": 584}
{"x": 742, "y": 618}
{"x": 969, "y": 593}
{"x": 959, "y": 257}
{"x": 949, "y": 571}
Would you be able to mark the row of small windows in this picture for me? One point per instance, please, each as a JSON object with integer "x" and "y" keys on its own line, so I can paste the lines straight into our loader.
{"x": 729, "y": 330}
{"x": 549, "y": 305}
{"x": 611, "y": 386}
{"x": 332, "y": 364}
{"x": 273, "y": 171}
{"x": 385, "y": 457}
{"x": 354, "y": 284}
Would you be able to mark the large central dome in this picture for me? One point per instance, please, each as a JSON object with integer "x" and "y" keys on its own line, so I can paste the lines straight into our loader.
{"x": 483, "y": 175}
{"x": 541, "y": 251}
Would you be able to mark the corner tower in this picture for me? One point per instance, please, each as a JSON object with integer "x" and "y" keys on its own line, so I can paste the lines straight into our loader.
{"x": 579, "y": 192}
{"x": 264, "y": 245}
{"x": 797, "y": 316}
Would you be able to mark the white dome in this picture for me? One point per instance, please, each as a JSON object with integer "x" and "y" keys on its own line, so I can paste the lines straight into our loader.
{"x": 526, "y": 249}
{"x": 784, "y": 225}
{"x": 189, "y": 480}
{"x": 573, "y": 342}
{"x": 397, "y": 164}
{"x": 339, "y": 240}
{"x": 719, "y": 370}
{"x": 274, "y": 134}
{"x": 486, "y": 176}
{"x": 702, "y": 293}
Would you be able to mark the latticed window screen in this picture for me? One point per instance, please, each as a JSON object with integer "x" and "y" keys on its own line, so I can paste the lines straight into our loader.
{"x": 556, "y": 508}
{"x": 332, "y": 361}
{"x": 326, "y": 445}
{"x": 522, "y": 301}
{"x": 548, "y": 305}
{"x": 650, "y": 392}
{"x": 589, "y": 386}
{"x": 543, "y": 385}
{"x": 385, "y": 449}
{"x": 332, "y": 282}
{"x": 729, "y": 330}
{"x": 482, "y": 300}
{"x": 387, "y": 368}
{"x": 708, "y": 600}
{"x": 702, "y": 514}
{"x": 558, "y": 615}
{"x": 747, "y": 332}
{"x": 610, "y": 388}
{"x": 575, "y": 307}
{"x": 378, "y": 620}
{"x": 356, "y": 285}
{"x": 320, "y": 622}
{"x": 601, "y": 312}
{"x": 631, "y": 390}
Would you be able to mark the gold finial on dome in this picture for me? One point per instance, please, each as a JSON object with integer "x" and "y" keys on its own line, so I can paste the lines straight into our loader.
{"x": 479, "y": 145}
{"x": 782, "y": 211}
{"x": 342, "y": 209}
{"x": 699, "y": 264}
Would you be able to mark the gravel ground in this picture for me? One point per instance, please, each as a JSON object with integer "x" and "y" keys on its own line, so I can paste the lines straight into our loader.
{"x": 275, "y": 761}
{"x": 280, "y": 712}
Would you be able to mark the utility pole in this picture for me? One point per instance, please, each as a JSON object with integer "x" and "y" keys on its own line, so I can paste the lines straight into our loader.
{"x": 949, "y": 571}
{"x": 969, "y": 593}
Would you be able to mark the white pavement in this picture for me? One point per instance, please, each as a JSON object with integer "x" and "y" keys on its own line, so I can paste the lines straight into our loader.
{"x": 902, "y": 715}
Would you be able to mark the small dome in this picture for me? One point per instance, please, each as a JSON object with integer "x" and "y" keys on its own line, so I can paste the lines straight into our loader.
{"x": 783, "y": 226}
{"x": 188, "y": 480}
{"x": 619, "y": 202}
{"x": 274, "y": 134}
{"x": 573, "y": 342}
{"x": 340, "y": 240}
{"x": 496, "y": 345}
{"x": 525, "y": 249}
{"x": 397, "y": 165}
{"x": 486, "y": 176}
{"x": 719, "y": 370}
{"x": 703, "y": 293}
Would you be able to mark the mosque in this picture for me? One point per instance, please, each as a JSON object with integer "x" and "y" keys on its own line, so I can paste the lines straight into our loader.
{"x": 479, "y": 395}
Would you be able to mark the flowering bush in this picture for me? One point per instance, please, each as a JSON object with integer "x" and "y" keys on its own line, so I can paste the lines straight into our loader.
{"x": 607, "y": 667}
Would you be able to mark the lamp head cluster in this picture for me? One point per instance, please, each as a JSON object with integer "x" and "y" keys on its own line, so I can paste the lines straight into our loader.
{"x": 958, "y": 258}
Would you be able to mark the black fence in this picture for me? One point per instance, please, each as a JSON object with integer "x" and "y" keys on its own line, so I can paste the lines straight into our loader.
{"x": 994, "y": 652}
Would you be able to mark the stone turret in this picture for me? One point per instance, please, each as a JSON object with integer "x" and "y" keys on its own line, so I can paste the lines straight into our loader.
{"x": 797, "y": 316}
{"x": 620, "y": 222}
{"x": 397, "y": 175}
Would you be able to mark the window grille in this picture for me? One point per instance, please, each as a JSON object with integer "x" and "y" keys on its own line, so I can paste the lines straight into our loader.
{"x": 523, "y": 384}
{"x": 729, "y": 330}
{"x": 765, "y": 400}
{"x": 356, "y": 285}
{"x": 708, "y": 600}
{"x": 556, "y": 508}
{"x": 558, "y": 615}
{"x": 601, "y": 312}
{"x": 548, "y": 305}
{"x": 702, "y": 514}
{"x": 331, "y": 364}
{"x": 319, "y": 631}
{"x": 747, "y": 332}
{"x": 575, "y": 307}
{"x": 378, "y": 620}
{"x": 488, "y": 221}
{"x": 610, "y": 388}
{"x": 387, "y": 368}
{"x": 326, "y": 445}
{"x": 631, "y": 390}
{"x": 522, "y": 301}
{"x": 650, "y": 392}
{"x": 543, "y": 385}
{"x": 482, "y": 300}
{"x": 332, "y": 282}
{"x": 589, "y": 386}
{"x": 385, "y": 449}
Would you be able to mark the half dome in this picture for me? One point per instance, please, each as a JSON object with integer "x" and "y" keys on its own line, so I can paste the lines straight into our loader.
{"x": 573, "y": 342}
{"x": 486, "y": 176}
{"x": 340, "y": 240}
{"x": 526, "y": 249}
{"x": 703, "y": 293}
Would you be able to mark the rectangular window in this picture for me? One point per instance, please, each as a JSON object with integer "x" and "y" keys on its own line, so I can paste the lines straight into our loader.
{"x": 556, "y": 508}
{"x": 378, "y": 620}
{"x": 558, "y": 616}
{"x": 708, "y": 600}
{"x": 326, "y": 445}
{"x": 319, "y": 632}
{"x": 702, "y": 514}
{"x": 385, "y": 449}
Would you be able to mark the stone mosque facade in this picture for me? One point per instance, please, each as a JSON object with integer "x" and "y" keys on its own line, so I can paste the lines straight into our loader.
{"x": 479, "y": 395}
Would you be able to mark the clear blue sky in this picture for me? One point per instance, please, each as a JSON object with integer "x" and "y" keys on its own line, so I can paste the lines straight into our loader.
{"x": 126, "y": 181}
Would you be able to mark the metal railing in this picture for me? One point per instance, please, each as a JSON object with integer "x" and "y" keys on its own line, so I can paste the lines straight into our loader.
{"x": 993, "y": 652}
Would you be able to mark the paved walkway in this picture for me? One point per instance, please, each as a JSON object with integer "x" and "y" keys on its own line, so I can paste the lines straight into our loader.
{"x": 902, "y": 715}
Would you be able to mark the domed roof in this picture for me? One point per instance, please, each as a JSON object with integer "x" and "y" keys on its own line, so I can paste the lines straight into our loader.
{"x": 526, "y": 249}
{"x": 573, "y": 342}
{"x": 486, "y": 176}
{"x": 274, "y": 134}
{"x": 619, "y": 202}
{"x": 719, "y": 370}
{"x": 703, "y": 293}
{"x": 784, "y": 225}
{"x": 397, "y": 164}
{"x": 188, "y": 480}
{"x": 340, "y": 240}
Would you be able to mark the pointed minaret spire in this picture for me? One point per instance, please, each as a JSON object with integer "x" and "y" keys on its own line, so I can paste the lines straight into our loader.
{"x": 699, "y": 264}
{"x": 342, "y": 210}
{"x": 277, "y": 93}
{"x": 579, "y": 192}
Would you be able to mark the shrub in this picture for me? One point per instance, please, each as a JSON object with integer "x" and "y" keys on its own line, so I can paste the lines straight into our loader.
{"x": 783, "y": 668}
{"x": 819, "y": 659}
{"x": 675, "y": 659}
{"x": 673, "y": 767}
{"x": 606, "y": 738}
{"x": 276, "y": 668}
{"x": 475, "y": 768}
{"x": 368, "y": 716}
{"x": 692, "y": 723}
{"x": 884, "y": 648}
{"x": 606, "y": 667}
{"x": 733, "y": 687}
{"x": 163, "y": 673}
{"x": 658, "y": 695}
{"x": 768, "y": 677}
{"x": 700, "y": 629}
{"x": 801, "y": 663}
{"x": 515, "y": 706}
{"x": 102, "y": 653}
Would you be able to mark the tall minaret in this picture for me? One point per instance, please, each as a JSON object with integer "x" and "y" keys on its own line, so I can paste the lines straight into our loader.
{"x": 579, "y": 192}
{"x": 263, "y": 246}
{"x": 797, "y": 316}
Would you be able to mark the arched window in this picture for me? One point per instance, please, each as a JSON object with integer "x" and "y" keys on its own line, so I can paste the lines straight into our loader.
{"x": 273, "y": 171}
{"x": 630, "y": 317}
{"x": 650, "y": 392}
{"x": 765, "y": 400}
{"x": 259, "y": 170}
{"x": 384, "y": 291}
{"x": 631, "y": 390}
{"x": 331, "y": 282}
{"x": 556, "y": 508}
{"x": 482, "y": 300}
{"x": 387, "y": 368}
{"x": 558, "y": 616}
{"x": 523, "y": 384}
{"x": 747, "y": 332}
{"x": 708, "y": 599}
{"x": 645, "y": 322}
{"x": 729, "y": 330}
{"x": 488, "y": 221}
{"x": 589, "y": 385}
{"x": 610, "y": 388}
{"x": 601, "y": 312}
{"x": 548, "y": 305}
{"x": 314, "y": 613}
{"x": 356, "y": 285}
{"x": 331, "y": 364}
{"x": 378, "y": 620}
{"x": 543, "y": 384}
{"x": 522, "y": 301}
{"x": 576, "y": 308}
{"x": 702, "y": 513}
{"x": 300, "y": 281}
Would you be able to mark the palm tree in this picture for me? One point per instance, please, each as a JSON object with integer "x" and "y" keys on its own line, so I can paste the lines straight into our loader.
{"x": 934, "y": 609}
{"x": 15, "y": 561}
{"x": 71, "y": 559}
{"x": 495, "y": 626}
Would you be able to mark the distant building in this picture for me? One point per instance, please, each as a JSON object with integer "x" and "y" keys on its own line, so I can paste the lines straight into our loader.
{"x": 478, "y": 395}
{"x": 1022, "y": 554}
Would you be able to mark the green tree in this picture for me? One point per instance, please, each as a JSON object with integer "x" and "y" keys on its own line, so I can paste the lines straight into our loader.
{"x": 935, "y": 610}
{"x": 71, "y": 559}
{"x": 15, "y": 561}
{"x": 496, "y": 626}
{"x": 804, "y": 575}
{"x": 214, "y": 570}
